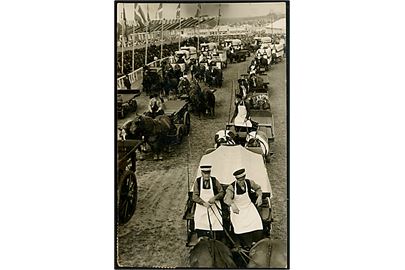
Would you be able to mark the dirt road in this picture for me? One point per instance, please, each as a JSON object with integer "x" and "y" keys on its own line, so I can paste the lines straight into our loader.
{"x": 156, "y": 235}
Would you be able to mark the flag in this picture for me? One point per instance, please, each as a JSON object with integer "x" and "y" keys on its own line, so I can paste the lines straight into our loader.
{"x": 160, "y": 11}
{"x": 139, "y": 15}
{"x": 123, "y": 22}
{"x": 178, "y": 12}
{"x": 197, "y": 14}
{"x": 147, "y": 13}
{"x": 219, "y": 14}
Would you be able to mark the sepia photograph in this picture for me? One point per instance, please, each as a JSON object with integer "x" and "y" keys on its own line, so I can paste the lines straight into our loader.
{"x": 201, "y": 109}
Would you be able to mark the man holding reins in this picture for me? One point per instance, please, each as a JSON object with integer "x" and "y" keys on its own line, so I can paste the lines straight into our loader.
{"x": 207, "y": 193}
{"x": 242, "y": 195}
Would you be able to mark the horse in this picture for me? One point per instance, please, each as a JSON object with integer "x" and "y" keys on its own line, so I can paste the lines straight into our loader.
{"x": 224, "y": 137}
{"x": 183, "y": 87}
{"x": 268, "y": 253}
{"x": 152, "y": 82}
{"x": 170, "y": 80}
{"x": 154, "y": 131}
{"x": 199, "y": 72}
{"x": 255, "y": 81}
{"x": 258, "y": 139}
{"x": 209, "y": 99}
{"x": 210, "y": 253}
{"x": 197, "y": 99}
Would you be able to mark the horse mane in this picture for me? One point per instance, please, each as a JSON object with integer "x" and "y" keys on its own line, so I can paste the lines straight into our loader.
{"x": 211, "y": 253}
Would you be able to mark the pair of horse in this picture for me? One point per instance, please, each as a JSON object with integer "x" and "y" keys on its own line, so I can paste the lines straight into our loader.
{"x": 155, "y": 132}
{"x": 267, "y": 253}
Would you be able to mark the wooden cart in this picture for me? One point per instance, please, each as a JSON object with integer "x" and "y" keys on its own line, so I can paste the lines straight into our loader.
{"x": 126, "y": 184}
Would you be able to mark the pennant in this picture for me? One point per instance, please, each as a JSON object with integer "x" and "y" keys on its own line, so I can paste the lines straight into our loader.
{"x": 197, "y": 14}
{"x": 147, "y": 13}
{"x": 160, "y": 11}
{"x": 178, "y": 12}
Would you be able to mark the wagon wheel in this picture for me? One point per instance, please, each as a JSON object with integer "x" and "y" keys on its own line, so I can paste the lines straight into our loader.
{"x": 180, "y": 133}
{"x": 126, "y": 196}
{"x": 186, "y": 122}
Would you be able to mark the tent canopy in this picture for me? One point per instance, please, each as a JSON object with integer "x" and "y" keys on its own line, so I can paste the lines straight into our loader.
{"x": 227, "y": 159}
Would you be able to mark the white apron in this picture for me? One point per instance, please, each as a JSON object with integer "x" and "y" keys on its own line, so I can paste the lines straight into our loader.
{"x": 248, "y": 219}
{"x": 200, "y": 214}
{"x": 240, "y": 118}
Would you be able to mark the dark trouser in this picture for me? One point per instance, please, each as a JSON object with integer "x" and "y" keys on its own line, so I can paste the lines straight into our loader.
{"x": 246, "y": 239}
{"x": 217, "y": 235}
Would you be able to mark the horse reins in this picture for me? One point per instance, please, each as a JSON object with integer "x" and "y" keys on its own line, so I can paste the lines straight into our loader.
{"x": 241, "y": 251}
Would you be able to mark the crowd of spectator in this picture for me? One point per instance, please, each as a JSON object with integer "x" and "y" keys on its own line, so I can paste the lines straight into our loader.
{"x": 168, "y": 50}
{"x": 153, "y": 51}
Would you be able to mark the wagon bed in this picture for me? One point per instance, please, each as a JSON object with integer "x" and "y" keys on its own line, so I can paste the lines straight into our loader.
{"x": 127, "y": 95}
{"x": 172, "y": 107}
{"x": 266, "y": 122}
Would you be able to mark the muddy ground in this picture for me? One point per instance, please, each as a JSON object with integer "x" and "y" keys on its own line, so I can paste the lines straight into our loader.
{"x": 156, "y": 234}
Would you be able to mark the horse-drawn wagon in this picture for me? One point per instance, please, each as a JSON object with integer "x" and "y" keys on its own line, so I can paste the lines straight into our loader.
{"x": 163, "y": 130}
{"x": 178, "y": 112}
{"x": 255, "y": 82}
{"x": 181, "y": 58}
{"x": 126, "y": 184}
{"x": 277, "y": 52}
{"x": 152, "y": 79}
{"x": 227, "y": 252}
{"x": 126, "y": 102}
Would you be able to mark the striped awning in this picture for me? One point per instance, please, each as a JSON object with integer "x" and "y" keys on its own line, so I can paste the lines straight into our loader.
{"x": 172, "y": 24}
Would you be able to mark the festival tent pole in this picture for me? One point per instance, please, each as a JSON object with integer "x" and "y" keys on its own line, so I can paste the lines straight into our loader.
{"x": 123, "y": 33}
{"x": 198, "y": 26}
{"x": 133, "y": 41}
{"x": 160, "y": 13}
{"x": 146, "y": 34}
{"x": 219, "y": 16}
{"x": 179, "y": 16}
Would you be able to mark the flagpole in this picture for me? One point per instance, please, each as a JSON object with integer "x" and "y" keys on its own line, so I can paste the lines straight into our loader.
{"x": 161, "y": 40}
{"x": 133, "y": 43}
{"x": 122, "y": 42}
{"x": 219, "y": 15}
{"x": 180, "y": 31}
{"x": 198, "y": 33}
{"x": 146, "y": 35}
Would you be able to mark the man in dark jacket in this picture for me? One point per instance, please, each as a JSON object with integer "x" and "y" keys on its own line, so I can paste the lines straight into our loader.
{"x": 127, "y": 82}
{"x": 242, "y": 195}
{"x": 207, "y": 192}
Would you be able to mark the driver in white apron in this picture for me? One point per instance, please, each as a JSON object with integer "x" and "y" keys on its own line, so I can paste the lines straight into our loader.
{"x": 207, "y": 192}
{"x": 245, "y": 219}
{"x": 241, "y": 115}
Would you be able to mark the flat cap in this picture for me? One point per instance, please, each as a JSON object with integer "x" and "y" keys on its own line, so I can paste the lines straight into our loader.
{"x": 239, "y": 173}
{"x": 205, "y": 168}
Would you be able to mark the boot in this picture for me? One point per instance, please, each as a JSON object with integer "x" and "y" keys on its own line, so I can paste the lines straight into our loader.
{"x": 155, "y": 157}
{"x": 160, "y": 157}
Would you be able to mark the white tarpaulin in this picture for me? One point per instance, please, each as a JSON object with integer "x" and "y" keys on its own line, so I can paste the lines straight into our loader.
{"x": 227, "y": 159}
